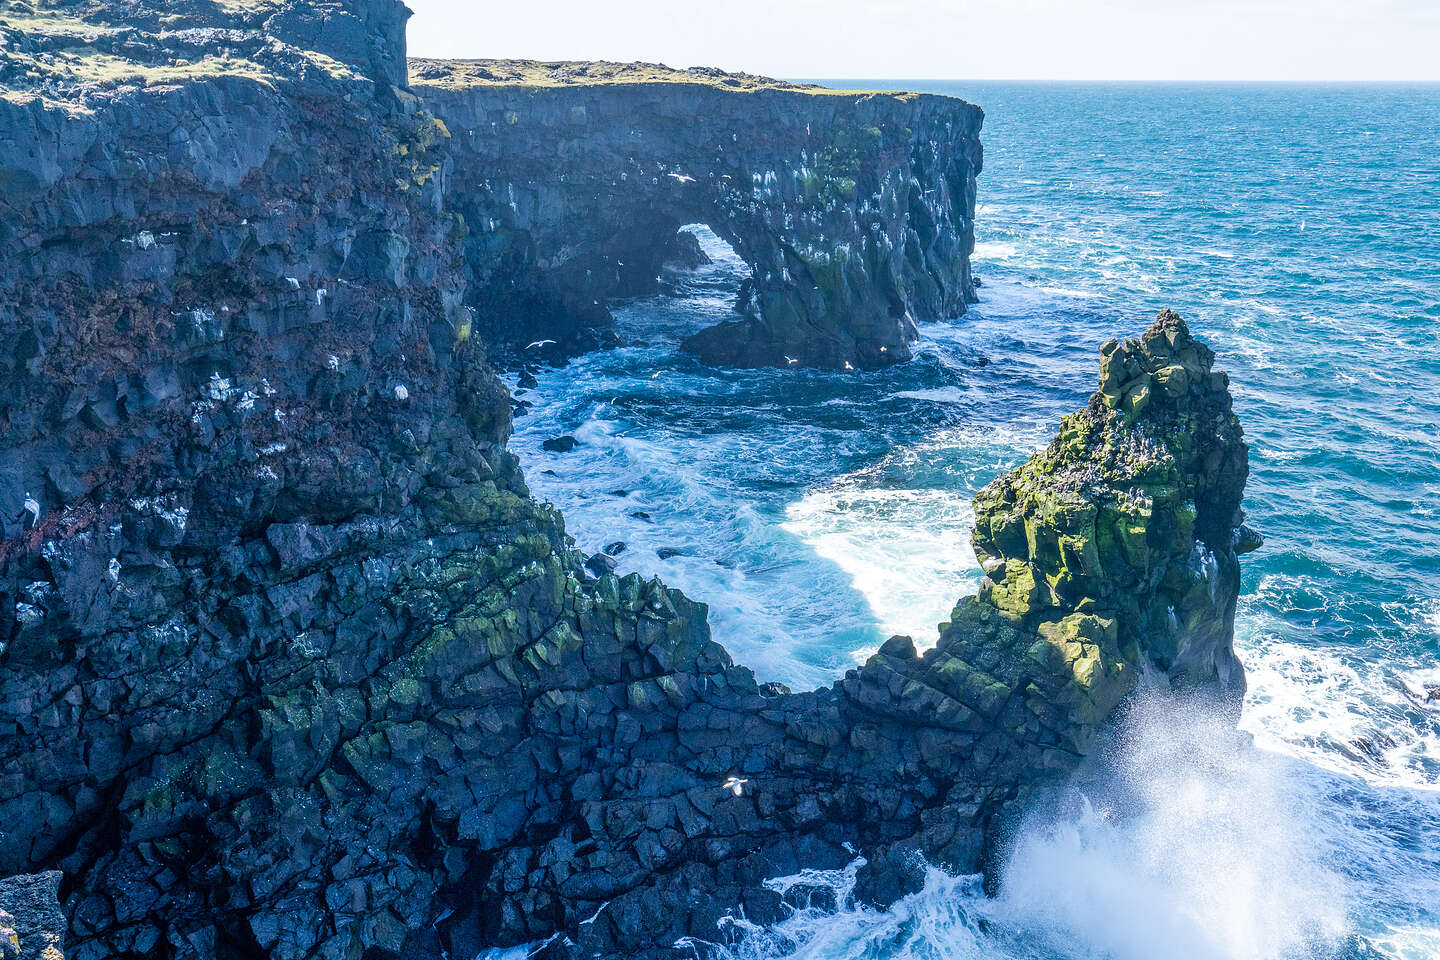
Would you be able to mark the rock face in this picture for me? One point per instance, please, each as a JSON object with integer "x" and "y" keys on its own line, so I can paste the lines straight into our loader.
{"x": 32, "y": 925}
{"x": 854, "y": 210}
{"x": 292, "y": 666}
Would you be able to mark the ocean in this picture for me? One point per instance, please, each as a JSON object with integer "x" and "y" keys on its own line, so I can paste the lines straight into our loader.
{"x": 1297, "y": 229}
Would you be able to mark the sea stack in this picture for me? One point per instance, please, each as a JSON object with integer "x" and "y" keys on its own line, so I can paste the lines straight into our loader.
{"x": 293, "y": 666}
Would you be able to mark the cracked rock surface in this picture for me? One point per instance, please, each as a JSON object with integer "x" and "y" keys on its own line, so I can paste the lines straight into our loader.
{"x": 292, "y": 665}
{"x": 854, "y": 210}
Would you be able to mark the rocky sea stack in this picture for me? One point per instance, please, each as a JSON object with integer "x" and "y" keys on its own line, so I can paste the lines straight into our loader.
{"x": 292, "y": 665}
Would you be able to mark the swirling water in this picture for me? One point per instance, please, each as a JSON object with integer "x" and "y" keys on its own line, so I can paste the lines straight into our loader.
{"x": 1298, "y": 230}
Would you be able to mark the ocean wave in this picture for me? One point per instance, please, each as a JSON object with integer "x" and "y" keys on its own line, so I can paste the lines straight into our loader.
{"x": 1184, "y": 842}
{"x": 996, "y": 250}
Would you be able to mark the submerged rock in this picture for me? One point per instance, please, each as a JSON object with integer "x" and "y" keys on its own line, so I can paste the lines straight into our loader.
{"x": 560, "y": 444}
{"x": 600, "y": 564}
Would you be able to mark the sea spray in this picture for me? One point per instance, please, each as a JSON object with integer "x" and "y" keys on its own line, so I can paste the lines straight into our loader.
{"x": 1332, "y": 349}
{"x": 1182, "y": 840}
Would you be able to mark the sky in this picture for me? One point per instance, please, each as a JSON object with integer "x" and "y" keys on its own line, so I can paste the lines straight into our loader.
{"x": 1295, "y": 40}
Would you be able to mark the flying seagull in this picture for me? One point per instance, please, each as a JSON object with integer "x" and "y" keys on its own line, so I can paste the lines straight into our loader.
{"x": 847, "y": 365}
{"x": 539, "y": 343}
{"x": 791, "y": 360}
{"x": 736, "y": 785}
{"x": 32, "y": 507}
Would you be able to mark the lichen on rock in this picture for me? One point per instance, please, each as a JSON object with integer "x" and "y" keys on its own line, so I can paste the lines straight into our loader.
{"x": 1133, "y": 512}
{"x": 1116, "y": 546}
{"x": 292, "y": 665}
{"x": 854, "y": 210}
{"x": 32, "y": 925}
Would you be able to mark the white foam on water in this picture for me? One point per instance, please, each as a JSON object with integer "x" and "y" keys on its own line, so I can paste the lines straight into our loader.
{"x": 907, "y": 551}
{"x": 1071, "y": 292}
{"x": 1345, "y": 711}
{"x": 935, "y": 394}
{"x": 1202, "y": 842}
{"x": 1186, "y": 843}
{"x": 996, "y": 250}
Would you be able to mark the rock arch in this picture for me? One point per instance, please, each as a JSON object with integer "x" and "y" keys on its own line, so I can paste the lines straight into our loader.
{"x": 854, "y": 210}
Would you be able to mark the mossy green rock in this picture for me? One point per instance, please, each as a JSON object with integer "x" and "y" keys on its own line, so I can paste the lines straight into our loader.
{"x": 292, "y": 666}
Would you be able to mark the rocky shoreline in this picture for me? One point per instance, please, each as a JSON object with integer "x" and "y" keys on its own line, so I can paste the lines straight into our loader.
{"x": 292, "y": 665}
{"x": 855, "y": 212}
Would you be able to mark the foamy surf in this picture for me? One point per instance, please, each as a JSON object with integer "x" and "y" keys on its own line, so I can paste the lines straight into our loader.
{"x": 1185, "y": 841}
{"x": 826, "y": 499}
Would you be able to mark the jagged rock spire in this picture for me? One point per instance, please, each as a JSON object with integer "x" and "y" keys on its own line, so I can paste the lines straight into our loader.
{"x": 1110, "y": 557}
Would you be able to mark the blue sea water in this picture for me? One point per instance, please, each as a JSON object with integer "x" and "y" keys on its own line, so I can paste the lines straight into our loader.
{"x": 1297, "y": 228}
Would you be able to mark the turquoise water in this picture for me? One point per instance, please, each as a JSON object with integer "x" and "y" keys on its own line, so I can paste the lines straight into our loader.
{"x": 1298, "y": 230}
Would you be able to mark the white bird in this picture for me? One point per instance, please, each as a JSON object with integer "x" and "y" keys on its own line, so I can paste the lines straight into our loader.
{"x": 884, "y": 349}
{"x": 32, "y": 507}
{"x": 1302, "y": 223}
{"x": 401, "y": 393}
{"x": 736, "y": 785}
{"x": 538, "y": 343}
{"x": 791, "y": 360}
{"x": 655, "y": 374}
{"x": 847, "y": 365}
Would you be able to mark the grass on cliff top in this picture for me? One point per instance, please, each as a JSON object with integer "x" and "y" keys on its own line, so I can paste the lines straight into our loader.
{"x": 70, "y": 49}
{"x": 462, "y": 74}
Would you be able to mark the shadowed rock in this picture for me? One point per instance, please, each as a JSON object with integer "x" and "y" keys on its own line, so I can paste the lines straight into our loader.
{"x": 292, "y": 666}
{"x": 854, "y": 210}
{"x": 32, "y": 925}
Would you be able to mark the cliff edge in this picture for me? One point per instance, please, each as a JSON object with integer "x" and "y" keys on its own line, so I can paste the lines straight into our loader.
{"x": 292, "y": 665}
{"x": 854, "y": 210}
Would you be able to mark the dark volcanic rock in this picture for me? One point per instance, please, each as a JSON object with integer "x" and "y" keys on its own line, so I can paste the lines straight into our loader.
{"x": 688, "y": 253}
{"x": 600, "y": 564}
{"x": 32, "y": 925}
{"x": 560, "y": 444}
{"x": 854, "y": 210}
{"x": 291, "y": 664}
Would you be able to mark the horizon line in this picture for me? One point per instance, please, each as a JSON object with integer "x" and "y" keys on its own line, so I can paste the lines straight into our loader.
{"x": 1267, "y": 82}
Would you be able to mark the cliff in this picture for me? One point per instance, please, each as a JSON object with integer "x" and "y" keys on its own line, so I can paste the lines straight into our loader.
{"x": 32, "y": 925}
{"x": 292, "y": 666}
{"x": 855, "y": 211}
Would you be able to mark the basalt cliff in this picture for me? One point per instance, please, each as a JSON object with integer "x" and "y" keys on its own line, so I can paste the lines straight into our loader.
{"x": 854, "y": 211}
{"x": 292, "y": 665}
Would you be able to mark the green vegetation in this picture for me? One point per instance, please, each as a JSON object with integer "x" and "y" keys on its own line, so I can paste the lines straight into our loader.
{"x": 65, "y": 51}
{"x": 462, "y": 74}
